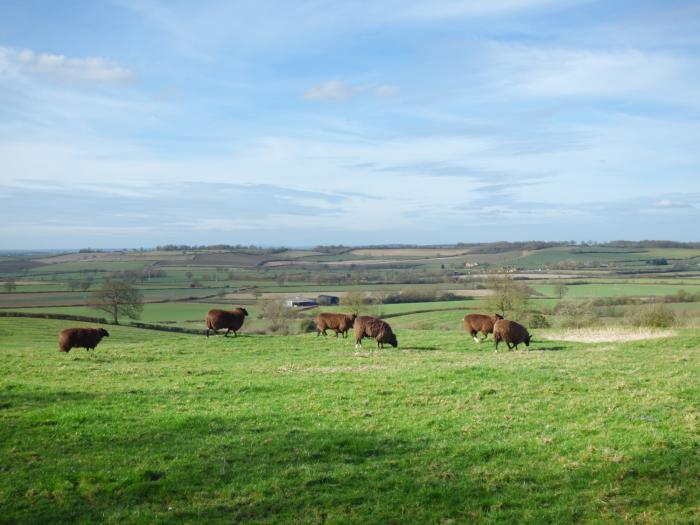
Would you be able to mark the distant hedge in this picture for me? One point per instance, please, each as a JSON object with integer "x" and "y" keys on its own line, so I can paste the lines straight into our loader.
{"x": 67, "y": 317}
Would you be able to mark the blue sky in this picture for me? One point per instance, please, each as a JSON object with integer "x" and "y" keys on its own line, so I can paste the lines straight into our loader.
{"x": 135, "y": 123}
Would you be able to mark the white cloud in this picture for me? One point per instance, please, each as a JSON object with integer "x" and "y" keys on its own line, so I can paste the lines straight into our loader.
{"x": 59, "y": 67}
{"x": 331, "y": 90}
{"x": 338, "y": 90}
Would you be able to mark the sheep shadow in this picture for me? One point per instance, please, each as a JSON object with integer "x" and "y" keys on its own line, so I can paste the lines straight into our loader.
{"x": 420, "y": 348}
{"x": 558, "y": 348}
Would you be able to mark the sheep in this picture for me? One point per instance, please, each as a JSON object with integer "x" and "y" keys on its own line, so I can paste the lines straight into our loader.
{"x": 339, "y": 323}
{"x": 475, "y": 323}
{"x": 87, "y": 338}
{"x": 230, "y": 319}
{"x": 366, "y": 326}
{"x": 511, "y": 333}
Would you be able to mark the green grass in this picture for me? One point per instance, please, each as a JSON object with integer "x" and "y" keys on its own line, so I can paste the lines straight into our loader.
{"x": 164, "y": 428}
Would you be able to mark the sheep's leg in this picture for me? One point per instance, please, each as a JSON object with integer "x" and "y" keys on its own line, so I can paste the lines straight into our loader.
{"x": 227, "y": 331}
{"x": 510, "y": 347}
{"x": 235, "y": 334}
{"x": 336, "y": 333}
{"x": 497, "y": 341}
{"x": 474, "y": 336}
{"x": 486, "y": 336}
{"x": 358, "y": 343}
{"x": 207, "y": 332}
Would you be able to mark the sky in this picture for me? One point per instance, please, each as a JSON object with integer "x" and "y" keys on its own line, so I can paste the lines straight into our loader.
{"x": 131, "y": 123}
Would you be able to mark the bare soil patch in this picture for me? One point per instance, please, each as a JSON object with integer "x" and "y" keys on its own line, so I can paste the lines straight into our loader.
{"x": 608, "y": 335}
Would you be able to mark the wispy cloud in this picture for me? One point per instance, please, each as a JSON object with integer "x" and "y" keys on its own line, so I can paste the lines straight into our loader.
{"x": 474, "y": 8}
{"x": 669, "y": 204}
{"x": 338, "y": 90}
{"x": 63, "y": 69}
{"x": 562, "y": 72}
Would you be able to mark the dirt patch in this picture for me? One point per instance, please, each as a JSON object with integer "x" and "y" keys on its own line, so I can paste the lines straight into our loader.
{"x": 608, "y": 335}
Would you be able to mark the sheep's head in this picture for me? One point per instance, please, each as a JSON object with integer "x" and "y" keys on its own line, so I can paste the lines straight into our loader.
{"x": 499, "y": 316}
{"x": 352, "y": 319}
{"x": 527, "y": 340}
{"x": 244, "y": 312}
{"x": 391, "y": 339}
{"x": 104, "y": 333}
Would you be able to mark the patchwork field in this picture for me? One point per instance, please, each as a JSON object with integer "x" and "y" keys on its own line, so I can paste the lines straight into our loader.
{"x": 162, "y": 428}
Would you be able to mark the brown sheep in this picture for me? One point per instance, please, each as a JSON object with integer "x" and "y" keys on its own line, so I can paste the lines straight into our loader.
{"x": 87, "y": 338}
{"x": 339, "y": 323}
{"x": 366, "y": 326}
{"x": 475, "y": 323}
{"x": 229, "y": 319}
{"x": 511, "y": 333}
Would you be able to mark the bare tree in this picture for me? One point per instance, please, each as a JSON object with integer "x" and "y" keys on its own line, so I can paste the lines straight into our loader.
{"x": 118, "y": 298}
{"x": 10, "y": 285}
{"x": 560, "y": 289}
{"x": 86, "y": 284}
{"x": 276, "y": 313}
{"x": 508, "y": 296}
{"x": 354, "y": 300}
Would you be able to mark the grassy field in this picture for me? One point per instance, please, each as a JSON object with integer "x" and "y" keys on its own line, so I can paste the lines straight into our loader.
{"x": 603, "y": 255}
{"x": 619, "y": 289}
{"x": 162, "y": 428}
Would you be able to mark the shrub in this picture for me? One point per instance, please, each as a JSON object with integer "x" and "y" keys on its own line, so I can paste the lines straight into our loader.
{"x": 279, "y": 328}
{"x": 307, "y": 325}
{"x": 652, "y": 316}
{"x": 577, "y": 314}
{"x": 538, "y": 320}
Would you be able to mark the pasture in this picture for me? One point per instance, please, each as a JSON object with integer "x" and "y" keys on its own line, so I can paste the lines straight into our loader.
{"x": 163, "y": 428}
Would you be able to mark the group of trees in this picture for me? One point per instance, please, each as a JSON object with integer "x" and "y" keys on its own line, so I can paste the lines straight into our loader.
{"x": 80, "y": 284}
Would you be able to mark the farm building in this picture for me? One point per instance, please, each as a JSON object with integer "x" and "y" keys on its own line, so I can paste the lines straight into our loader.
{"x": 327, "y": 300}
{"x": 299, "y": 302}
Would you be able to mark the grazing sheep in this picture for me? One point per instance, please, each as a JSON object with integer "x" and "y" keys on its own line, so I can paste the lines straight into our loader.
{"x": 230, "y": 319}
{"x": 339, "y": 323}
{"x": 511, "y": 333}
{"x": 475, "y": 323}
{"x": 87, "y": 338}
{"x": 366, "y": 326}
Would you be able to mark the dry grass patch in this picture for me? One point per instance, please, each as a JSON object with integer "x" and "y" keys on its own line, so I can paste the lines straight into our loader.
{"x": 329, "y": 369}
{"x": 607, "y": 335}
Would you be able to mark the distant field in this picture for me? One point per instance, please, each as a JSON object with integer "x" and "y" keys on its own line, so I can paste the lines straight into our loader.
{"x": 601, "y": 255}
{"x": 638, "y": 289}
{"x": 170, "y": 313}
{"x": 409, "y": 252}
{"x": 164, "y": 428}
{"x": 9, "y": 300}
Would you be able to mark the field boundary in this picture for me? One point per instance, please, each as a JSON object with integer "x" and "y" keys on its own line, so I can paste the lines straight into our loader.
{"x": 400, "y": 314}
{"x": 102, "y": 320}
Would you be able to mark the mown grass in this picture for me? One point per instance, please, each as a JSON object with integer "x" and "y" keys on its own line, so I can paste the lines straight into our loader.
{"x": 164, "y": 428}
